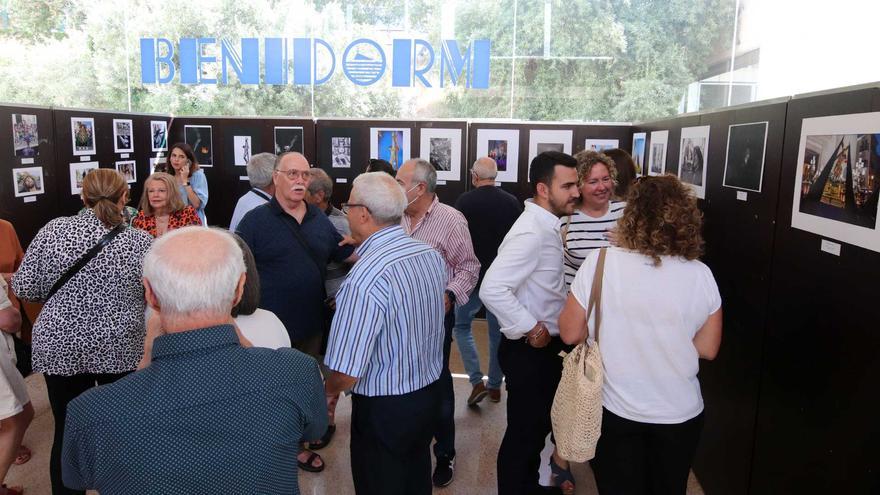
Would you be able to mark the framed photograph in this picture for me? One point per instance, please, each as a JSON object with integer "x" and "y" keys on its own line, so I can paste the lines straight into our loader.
{"x": 502, "y": 145}
{"x": 390, "y": 144}
{"x": 25, "y": 138}
{"x": 243, "y": 149}
{"x": 28, "y": 181}
{"x": 288, "y": 139}
{"x": 638, "y": 151}
{"x": 158, "y": 164}
{"x": 600, "y": 144}
{"x": 199, "y": 137}
{"x": 340, "y": 153}
{"x": 82, "y": 130}
{"x": 78, "y": 171}
{"x": 657, "y": 158}
{"x": 744, "y": 162}
{"x": 692, "y": 158}
{"x": 442, "y": 147}
{"x": 159, "y": 135}
{"x": 541, "y": 140}
{"x": 838, "y": 177}
{"x": 123, "y": 140}
{"x": 128, "y": 169}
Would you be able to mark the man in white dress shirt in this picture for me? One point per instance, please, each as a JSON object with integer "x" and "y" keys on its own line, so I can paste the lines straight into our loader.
{"x": 525, "y": 289}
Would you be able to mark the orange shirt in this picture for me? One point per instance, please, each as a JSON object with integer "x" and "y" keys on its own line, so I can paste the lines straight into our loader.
{"x": 11, "y": 253}
{"x": 182, "y": 218}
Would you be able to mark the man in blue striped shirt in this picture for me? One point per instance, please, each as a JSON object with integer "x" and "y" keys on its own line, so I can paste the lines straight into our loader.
{"x": 386, "y": 343}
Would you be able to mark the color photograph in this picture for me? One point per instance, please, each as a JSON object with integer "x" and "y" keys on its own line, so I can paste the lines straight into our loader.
{"x": 128, "y": 169}
{"x": 122, "y": 136}
{"x": 392, "y": 145}
{"x": 199, "y": 137}
{"x": 744, "y": 165}
{"x": 28, "y": 181}
{"x": 498, "y": 152}
{"x": 159, "y": 135}
{"x": 341, "y": 152}
{"x": 600, "y": 144}
{"x": 82, "y": 130}
{"x": 692, "y": 158}
{"x": 288, "y": 139}
{"x": 442, "y": 147}
{"x": 242, "y": 147}
{"x": 638, "y": 151}
{"x": 78, "y": 171}
{"x": 505, "y": 146}
{"x": 25, "y": 138}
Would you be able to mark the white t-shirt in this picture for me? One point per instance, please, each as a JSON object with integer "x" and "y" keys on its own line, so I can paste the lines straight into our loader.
{"x": 263, "y": 329}
{"x": 649, "y": 318}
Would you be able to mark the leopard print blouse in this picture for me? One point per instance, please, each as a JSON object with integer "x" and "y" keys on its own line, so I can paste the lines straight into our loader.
{"x": 95, "y": 322}
{"x": 181, "y": 218}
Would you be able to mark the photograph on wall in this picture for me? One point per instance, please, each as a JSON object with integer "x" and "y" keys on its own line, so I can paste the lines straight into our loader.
{"x": 28, "y": 181}
{"x": 78, "y": 171}
{"x": 744, "y": 165}
{"x": 657, "y": 158}
{"x": 82, "y": 130}
{"x": 392, "y": 145}
{"x": 25, "y": 138}
{"x": 158, "y": 165}
{"x": 638, "y": 151}
{"x": 242, "y": 148}
{"x": 123, "y": 142}
{"x": 341, "y": 152}
{"x": 541, "y": 140}
{"x": 692, "y": 158}
{"x": 442, "y": 147}
{"x": 128, "y": 170}
{"x": 159, "y": 135}
{"x": 199, "y": 137}
{"x": 501, "y": 145}
{"x": 838, "y": 177}
{"x": 600, "y": 144}
{"x": 288, "y": 139}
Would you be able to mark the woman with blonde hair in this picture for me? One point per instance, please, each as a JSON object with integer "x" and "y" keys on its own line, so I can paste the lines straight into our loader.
{"x": 660, "y": 313}
{"x": 161, "y": 207}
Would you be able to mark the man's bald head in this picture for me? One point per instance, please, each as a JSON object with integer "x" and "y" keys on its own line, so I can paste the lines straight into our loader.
{"x": 291, "y": 157}
{"x": 485, "y": 168}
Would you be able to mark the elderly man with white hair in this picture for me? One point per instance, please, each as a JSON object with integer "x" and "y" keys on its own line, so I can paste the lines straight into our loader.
{"x": 259, "y": 172}
{"x": 386, "y": 343}
{"x": 207, "y": 415}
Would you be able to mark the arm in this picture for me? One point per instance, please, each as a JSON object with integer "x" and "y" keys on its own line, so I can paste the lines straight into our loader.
{"x": 77, "y": 455}
{"x": 517, "y": 259}
{"x": 707, "y": 341}
{"x": 338, "y": 382}
{"x": 316, "y": 418}
{"x": 29, "y": 282}
{"x": 573, "y": 322}
{"x": 358, "y": 321}
{"x": 197, "y": 191}
{"x": 10, "y": 320}
{"x": 464, "y": 263}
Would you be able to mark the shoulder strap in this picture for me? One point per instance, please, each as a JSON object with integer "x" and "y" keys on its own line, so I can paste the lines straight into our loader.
{"x": 80, "y": 263}
{"x": 564, "y": 230}
{"x": 596, "y": 293}
{"x": 295, "y": 229}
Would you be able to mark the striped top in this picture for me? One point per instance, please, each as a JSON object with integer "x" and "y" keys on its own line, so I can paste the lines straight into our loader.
{"x": 445, "y": 229}
{"x": 388, "y": 327}
{"x": 585, "y": 234}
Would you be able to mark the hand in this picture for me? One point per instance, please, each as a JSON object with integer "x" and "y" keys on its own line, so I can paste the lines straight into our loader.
{"x": 183, "y": 173}
{"x": 611, "y": 235}
{"x": 347, "y": 240}
{"x": 7, "y": 277}
{"x": 332, "y": 400}
{"x": 331, "y": 303}
{"x": 538, "y": 336}
{"x": 447, "y": 304}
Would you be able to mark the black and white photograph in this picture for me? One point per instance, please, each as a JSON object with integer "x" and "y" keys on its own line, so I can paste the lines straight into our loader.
{"x": 128, "y": 169}
{"x": 243, "y": 150}
{"x": 25, "y": 137}
{"x": 199, "y": 137}
{"x": 159, "y": 135}
{"x": 123, "y": 140}
{"x": 441, "y": 153}
{"x": 541, "y": 140}
{"x": 442, "y": 148}
{"x": 657, "y": 157}
{"x": 288, "y": 139}
{"x": 158, "y": 165}
{"x": 692, "y": 158}
{"x": 78, "y": 171}
{"x": 28, "y": 181}
{"x": 341, "y": 152}
{"x": 82, "y": 130}
{"x": 744, "y": 165}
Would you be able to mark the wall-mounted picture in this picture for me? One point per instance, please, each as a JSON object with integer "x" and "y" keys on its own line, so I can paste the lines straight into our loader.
{"x": 838, "y": 177}
{"x": 392, "y": 145}
{"x": 123, "y": 140}
{"x": 158, "y": 165}
{"x": 82, "y": 130}
{"x": 442, "y": 147}
{"x": 288, "y": 139}
{"x": 159, "y": 135}
{"x": 541, "y": 140}
{"x": 692, "y": 158}
{"x": 25, "y": 138}
{"x": 28, "y": 181}
{"x": 657, "y": 158}
{"x": 600, "y": 144}
{"x": 199, "y": 137}
{"x": 341, "y": 152}
{"x": 128, "y": 169}
{"x": 744, "y": 165}
{"x": 638, "y": 151}
{"x": 243, "y": 150}
{"x": 502, "y": 145}
{"x": 78, "y": 171}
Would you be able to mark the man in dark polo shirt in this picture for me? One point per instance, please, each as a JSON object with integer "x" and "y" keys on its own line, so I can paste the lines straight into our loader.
{"x": 292, "y": 242}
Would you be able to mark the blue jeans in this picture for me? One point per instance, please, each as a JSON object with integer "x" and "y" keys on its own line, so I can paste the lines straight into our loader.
{"x": 464, "y": 316}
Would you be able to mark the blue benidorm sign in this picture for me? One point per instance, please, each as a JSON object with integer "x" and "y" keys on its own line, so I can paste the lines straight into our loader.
{"x": 363, "y": 62}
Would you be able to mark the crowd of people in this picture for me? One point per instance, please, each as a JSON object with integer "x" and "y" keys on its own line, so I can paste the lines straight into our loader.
{"x": 186, "y": 359}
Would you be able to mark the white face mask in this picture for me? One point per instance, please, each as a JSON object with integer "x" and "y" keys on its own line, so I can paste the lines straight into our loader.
{"x": 414, "y": 199}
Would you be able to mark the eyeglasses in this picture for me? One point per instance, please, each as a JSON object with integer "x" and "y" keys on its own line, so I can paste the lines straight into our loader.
{"x": 295, "y": 174}
{"x": 346, "y": 207}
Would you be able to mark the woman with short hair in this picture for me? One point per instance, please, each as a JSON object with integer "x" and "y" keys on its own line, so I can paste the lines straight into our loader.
{"x": 189, "y": 178}
{"x": 161, "y": 207}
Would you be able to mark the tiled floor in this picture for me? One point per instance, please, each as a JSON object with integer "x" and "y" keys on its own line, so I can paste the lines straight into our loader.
{"x": 478, "y": 435}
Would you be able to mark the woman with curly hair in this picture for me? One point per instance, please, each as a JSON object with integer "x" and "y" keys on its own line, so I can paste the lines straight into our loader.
{"x": 661, "y": 313}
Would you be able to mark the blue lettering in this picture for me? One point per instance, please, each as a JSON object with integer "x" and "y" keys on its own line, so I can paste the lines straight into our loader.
{"x": 401, "y": 66}
{"x": 302, "y": 61}
{"x": 151, "y": 70}
{"x": 276, "y": 61}
{"x": 189, "y": 61}
{"x": 364, "y": 67}
{"x": 246, "y": 65}
{"x": 203, "y": 59}
{"x": 322, "y": 80}
{"x": 481, "y": 64}
{"x": 419, "y": 73}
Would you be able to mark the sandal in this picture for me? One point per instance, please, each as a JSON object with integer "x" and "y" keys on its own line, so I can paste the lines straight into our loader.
{"x": 24, "y": 455}
{"x": 559, "y": 477}
{"x": 308, "y": 466}
{"x": 325, "y": 440}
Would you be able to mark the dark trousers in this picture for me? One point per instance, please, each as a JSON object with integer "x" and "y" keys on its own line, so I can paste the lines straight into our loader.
{"x": 391, "y": 442}
{"x": 532, "y": 376}
{"x": 445, "y": 433}
{"x": 62, "y": 390}
{"x": 644, "y": 458}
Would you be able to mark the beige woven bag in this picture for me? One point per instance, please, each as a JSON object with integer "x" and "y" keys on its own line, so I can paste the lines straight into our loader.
{"x": 577, "y": 406}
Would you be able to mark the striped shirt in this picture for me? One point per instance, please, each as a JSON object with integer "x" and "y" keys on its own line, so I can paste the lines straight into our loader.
{"x": 585, "y": 233}
{"x": 445, "y": 229}
{"x": 388, "y": 328}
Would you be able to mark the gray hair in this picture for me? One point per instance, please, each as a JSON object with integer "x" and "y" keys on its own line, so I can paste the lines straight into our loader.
{"x": 485, "y": 168}
{"x": 185, "y": 282}
{"x": 382, "y": 195}
{"x": 425, "y": 173}
{"x": 321, "y": 182}
{"x": 259, "y": 169}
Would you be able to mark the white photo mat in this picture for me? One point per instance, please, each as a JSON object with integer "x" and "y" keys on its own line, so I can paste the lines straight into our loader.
{"x": 638, "y": 155}
{"x": 601, "y": 144}
{"x": 19, "y": 176}
{"x": 549, "y": 136}
{"x": 405, "y": 146}
{"x": 118, "y": 146}
{"x": 89, "y": 123}
{"x": 454, "y": 136}
{"x": 77, "y": 174}
{"x": 158, "y": 135}
{"x": 658, "y": 138}
{"x": 700, "y": 134}
{"x": 511, "y": 137}
{"x": 128, "y": 169}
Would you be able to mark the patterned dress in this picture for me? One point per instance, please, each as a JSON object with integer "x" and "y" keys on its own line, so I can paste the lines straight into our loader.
{"x": 181, "y": 218}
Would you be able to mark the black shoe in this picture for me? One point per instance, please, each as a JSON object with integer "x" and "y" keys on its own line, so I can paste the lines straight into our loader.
{"x": 443, "y": 471}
